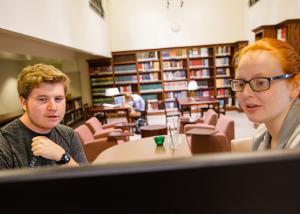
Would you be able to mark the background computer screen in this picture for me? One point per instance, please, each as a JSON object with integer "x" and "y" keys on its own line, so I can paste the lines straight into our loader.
{"x": 119, "y": 100}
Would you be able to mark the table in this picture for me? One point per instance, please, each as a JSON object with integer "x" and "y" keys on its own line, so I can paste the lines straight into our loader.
{"x": 188, "y": 102}
{"x": 105, "y": 109}
{"x": 143, "y": 149}
{"x": 153, "y": 130}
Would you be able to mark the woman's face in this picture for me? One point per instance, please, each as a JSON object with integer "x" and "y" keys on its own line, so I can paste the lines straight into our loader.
{"x": 268, "y": 106}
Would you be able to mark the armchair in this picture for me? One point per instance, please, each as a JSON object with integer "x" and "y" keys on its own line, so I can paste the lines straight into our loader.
{"x": 210, "y": 118}
{"x": 224, "y": 125}
{"x": 98, "y": 130}
{"x": 93, "y": 147}
{"x": 207, "y": 141}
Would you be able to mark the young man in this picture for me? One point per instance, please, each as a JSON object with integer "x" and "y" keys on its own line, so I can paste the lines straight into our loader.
{"x": 37, "y": 138}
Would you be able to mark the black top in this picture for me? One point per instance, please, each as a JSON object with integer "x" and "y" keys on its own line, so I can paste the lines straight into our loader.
{"x": 16, "y": 139}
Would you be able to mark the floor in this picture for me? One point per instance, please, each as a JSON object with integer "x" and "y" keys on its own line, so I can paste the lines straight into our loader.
{"x": 243, "y": 127}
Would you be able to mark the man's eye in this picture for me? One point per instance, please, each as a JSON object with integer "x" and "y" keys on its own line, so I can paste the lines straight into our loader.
{"x": 59, "y": 99}
{"x": 43, "y": 100}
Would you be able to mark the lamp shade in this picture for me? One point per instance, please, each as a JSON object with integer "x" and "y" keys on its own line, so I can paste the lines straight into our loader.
{"x": 110, "y": 92}
{"x": 192, "y": 85}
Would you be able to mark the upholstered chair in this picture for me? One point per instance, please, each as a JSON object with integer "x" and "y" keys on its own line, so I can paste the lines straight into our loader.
{"x": 210, "y": 118}
{"x": 207, "y": 141}
{"x": 93, "y": 147}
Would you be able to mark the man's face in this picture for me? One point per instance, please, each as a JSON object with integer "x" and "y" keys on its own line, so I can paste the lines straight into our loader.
{"x": 44, "y": 108}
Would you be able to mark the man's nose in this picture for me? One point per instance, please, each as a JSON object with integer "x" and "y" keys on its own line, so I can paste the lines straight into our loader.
{"x": 52, "y": 104}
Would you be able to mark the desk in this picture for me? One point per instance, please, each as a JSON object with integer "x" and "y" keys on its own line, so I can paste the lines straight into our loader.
{"x": 188, "y": 102}
{"x": 143, "y": 150}
{"x": 96, "y": 109}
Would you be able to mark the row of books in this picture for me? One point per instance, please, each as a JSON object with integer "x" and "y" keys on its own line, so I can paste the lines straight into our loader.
{"x": 203, "y": 83}
{"x": 145, "y": 56}
{"x": 174, "y": 54}
{"x": 175, "y": 94}
{"x": 103, "y": 100}
{"x": 205, "y": 93}
{"x": 124, "y": 68}
{"x": 151, "y": 87}
{"x": 223, "y": 50}
{"x": 180, "y": 85}
{"x": 223, "y": 92}
{"x": 173, "y": 65}
{"x": 100, "y": 69}
{"x": 175, "y": 75}
{"x": 149, "y": 76}
{"x": 200, "y": 52}
{"x": 199, "y": 63}
{"x": 203, "y": 73}
{"x": 148, "y": 66}
{"x": 222, "y": 61}
{"x": 222, "y": 83}
{"x": 128, "y": 78}
{"x": 223, "y": 72}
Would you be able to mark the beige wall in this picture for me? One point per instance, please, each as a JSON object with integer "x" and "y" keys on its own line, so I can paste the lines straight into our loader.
{"x": 142, "y": 24}
{"x": 71, "y": 23}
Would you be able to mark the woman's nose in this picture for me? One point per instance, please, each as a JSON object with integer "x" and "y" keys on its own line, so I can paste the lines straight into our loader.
{"x": 247, "y": 90}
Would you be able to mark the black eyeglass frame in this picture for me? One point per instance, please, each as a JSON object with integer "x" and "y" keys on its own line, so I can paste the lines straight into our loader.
{"x": 283, "y": 76}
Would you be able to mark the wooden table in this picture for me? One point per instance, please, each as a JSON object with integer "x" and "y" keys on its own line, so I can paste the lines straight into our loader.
{"x": 143, "y": 149}
{"x": 153, "y": 130}
{"x": 96, "y": 109}
{"x": 197, "y": 101}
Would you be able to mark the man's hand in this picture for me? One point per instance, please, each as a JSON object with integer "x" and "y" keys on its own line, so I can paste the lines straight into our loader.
{"x": 44, "y": 147}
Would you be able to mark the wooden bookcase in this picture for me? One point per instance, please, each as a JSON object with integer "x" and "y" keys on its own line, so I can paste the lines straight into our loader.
{"x": 288, "y": 31}
{"x": 74, "y": 112}
{"x": 163, "y": 74}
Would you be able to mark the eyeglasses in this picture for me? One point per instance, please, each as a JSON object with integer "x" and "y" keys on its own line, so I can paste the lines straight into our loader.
{"x": 256, "y": 84}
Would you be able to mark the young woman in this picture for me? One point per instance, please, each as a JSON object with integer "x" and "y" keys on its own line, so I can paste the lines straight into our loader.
{"x": 267, "y": 86}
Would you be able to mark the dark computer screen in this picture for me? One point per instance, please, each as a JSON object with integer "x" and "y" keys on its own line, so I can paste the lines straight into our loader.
{"x": 228, "y": 183}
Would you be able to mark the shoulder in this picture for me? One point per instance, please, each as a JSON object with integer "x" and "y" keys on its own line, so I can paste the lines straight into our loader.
{"x": 259, "y": 136}
{"x": 294, "y": 140}
{"x": 65, "y": 130}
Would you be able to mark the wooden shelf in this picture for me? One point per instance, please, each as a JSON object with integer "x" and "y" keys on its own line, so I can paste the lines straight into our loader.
{"x": 163, "y": 74}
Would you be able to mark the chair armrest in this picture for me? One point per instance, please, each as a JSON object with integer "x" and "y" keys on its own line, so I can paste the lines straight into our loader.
{"x": 241, "y": 144}
{"x": 104, "y": 133}
{"x": 93, "y": 148}
{"x": 109, "y": 125}
{"x": 198, "y": 126}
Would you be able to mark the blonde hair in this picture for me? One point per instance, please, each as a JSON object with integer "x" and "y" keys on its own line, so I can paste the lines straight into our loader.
{"x": 285, "y": 53}
{"x": 32, "y": 76}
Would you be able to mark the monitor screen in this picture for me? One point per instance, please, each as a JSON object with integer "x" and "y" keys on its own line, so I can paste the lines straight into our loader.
{"x": 219, "y": 183}
{"x": 119, "y": 100}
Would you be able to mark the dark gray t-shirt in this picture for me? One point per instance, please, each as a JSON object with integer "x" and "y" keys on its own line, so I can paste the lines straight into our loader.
{"x": 16, "y": 139}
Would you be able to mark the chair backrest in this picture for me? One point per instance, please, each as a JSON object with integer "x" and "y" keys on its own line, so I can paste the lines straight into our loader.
{"x": 84, "y": 133}
{"x": 226, "y": 126}
{"x": 210, "y": 117}
{"x": 216, "y": 142}
{"x": 94, "y": 124}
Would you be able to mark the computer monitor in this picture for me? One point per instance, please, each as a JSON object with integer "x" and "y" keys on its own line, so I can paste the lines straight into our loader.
{"x": 263, "y": 182}
{"x": 119, "y": 100}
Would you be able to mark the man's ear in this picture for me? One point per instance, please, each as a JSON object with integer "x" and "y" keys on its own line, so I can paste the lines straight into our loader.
{"x": 295, "y": 87}
{"x": 23, "y": 103}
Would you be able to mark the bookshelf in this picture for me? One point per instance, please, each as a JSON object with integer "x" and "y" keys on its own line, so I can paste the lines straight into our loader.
{"x": 101, "y": 77}
{"x": 163, "y": 74}
{"x": 288, "y": 30}
{"x": 74, "y": 112}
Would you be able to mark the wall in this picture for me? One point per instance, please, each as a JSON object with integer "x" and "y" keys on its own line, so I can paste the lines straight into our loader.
{"x": 143, "y": 24}
{"x": 269, "y": 12}
{"x": 71, "y": 23}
